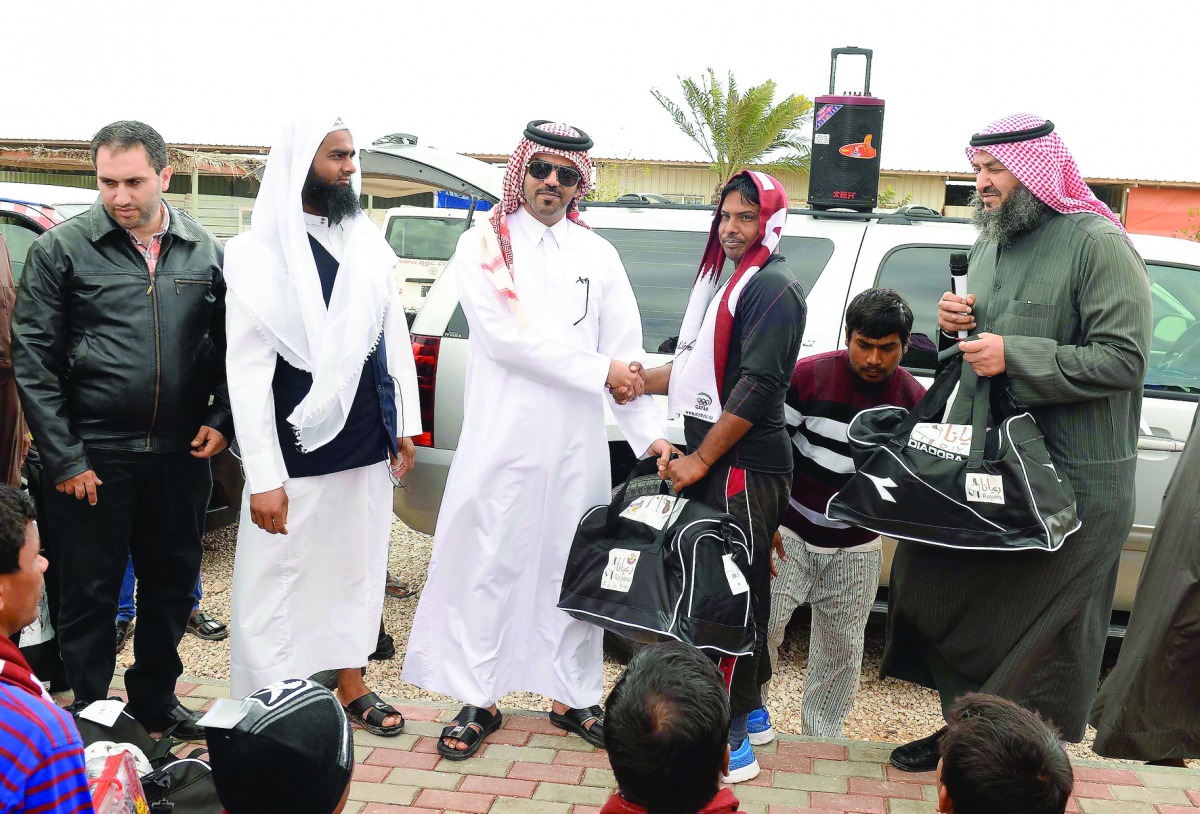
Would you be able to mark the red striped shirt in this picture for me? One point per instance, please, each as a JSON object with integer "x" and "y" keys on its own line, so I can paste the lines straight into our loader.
{"x": 41, "y": 756}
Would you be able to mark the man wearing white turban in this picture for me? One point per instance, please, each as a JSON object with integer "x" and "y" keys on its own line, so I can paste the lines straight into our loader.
{"x": 324, "y": 398}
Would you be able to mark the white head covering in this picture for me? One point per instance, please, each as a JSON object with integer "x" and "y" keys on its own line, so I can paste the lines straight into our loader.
{"x": 272, "y": 272}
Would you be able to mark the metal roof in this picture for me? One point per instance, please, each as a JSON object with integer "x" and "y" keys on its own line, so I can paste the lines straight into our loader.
{"x": 949, "y": 174}
{"x": 74, "y": 144}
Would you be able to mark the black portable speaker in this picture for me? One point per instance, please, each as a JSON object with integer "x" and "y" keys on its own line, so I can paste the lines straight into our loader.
{"x": 846, "y": 145}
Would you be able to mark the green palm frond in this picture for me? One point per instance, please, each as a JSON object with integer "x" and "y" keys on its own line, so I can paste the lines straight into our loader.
{"x": 737, "y": 129}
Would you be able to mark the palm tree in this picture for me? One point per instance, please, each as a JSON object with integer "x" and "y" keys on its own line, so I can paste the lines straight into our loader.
{"x": 737, "y": 130}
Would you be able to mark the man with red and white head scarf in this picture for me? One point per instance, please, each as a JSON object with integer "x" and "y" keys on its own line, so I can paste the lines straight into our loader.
{"x": 553, "y": 323}
{"x": 1060, "y": 312}
{"x": 737, "y": 347}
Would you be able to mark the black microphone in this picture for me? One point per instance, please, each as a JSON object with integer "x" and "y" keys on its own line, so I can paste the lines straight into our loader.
{"x": 958, "y": 278}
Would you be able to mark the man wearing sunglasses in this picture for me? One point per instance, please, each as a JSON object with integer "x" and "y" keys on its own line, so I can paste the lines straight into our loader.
{"x": 554, "y": 323}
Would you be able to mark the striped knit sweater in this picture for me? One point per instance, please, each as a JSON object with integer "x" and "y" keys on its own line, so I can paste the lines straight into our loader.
{"x": 824, "y": 397}
{"x": 41, "y": 755}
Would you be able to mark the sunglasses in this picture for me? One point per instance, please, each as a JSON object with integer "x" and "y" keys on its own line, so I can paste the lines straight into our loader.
{"x": 541, "y": 170}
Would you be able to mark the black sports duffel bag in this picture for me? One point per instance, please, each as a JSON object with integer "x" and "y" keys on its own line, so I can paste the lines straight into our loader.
{"x": 662, "y": 567}
{"x": 986, "y": 486}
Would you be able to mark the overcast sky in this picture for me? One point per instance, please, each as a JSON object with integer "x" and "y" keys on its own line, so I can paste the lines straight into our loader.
{"x": 1120, "y": 79}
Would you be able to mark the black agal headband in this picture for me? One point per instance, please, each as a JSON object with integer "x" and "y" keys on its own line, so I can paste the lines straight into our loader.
{"x": 1011, "y": 137}
{"x": 535, "y": 133}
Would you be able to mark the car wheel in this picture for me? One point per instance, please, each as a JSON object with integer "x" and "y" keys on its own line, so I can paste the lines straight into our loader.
{"x": 617, "y": 646}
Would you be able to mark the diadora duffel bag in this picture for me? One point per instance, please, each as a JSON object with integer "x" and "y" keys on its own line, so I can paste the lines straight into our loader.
{"x": 985, "y": 486}
{"x": 662, "y": 567}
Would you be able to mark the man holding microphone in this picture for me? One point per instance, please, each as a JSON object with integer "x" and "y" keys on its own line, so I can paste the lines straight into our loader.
{"x": 1061, "y": 303}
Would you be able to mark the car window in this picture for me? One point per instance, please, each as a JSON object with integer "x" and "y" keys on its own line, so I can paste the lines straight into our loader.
{"x": 662, "y": 267}
{"x": 424, "y": 238}
{"x": 920, "y": 274}
{"x": 19, "y": 236}
{"x": 1175, "y": 337}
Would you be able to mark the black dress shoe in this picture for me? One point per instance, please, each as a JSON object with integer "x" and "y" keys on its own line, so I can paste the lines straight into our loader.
{"x": 385, "y": 649}
{"x": 77, "y": 706}
{"x": 179, "y": 722}
{"x": 124, "y": 631}
{"x": 919, "y": 756}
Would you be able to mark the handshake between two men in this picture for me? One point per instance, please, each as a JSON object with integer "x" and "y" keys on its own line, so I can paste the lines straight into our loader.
{"x": 627, "y": 382}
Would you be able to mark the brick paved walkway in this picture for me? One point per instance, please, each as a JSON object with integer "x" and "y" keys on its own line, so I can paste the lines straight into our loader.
{"x": 531, "y": 767}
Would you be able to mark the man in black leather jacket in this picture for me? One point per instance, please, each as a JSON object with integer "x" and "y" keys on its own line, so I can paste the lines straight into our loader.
{"x": 118, "y": 350}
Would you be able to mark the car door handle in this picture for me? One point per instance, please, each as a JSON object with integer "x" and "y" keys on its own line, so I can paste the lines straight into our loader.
{"x": 1157, "y": 443}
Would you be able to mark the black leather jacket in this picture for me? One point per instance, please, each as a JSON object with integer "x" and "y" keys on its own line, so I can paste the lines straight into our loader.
{"x": 106, "y": 357}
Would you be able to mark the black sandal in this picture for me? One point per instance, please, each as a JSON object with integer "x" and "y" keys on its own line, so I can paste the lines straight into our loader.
{"x": 575, "y": 720}
{"x": 370, "y": 711}
{"x": 467, "y": 719}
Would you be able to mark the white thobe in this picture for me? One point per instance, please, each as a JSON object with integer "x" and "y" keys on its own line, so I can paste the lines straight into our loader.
{"x": 310, "y": 600}
{"x": 531, "y": 459}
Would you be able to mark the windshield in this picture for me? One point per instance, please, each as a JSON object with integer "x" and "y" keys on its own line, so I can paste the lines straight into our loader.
{"x": 662, "y": 267}
{"x": 424, "y": 238}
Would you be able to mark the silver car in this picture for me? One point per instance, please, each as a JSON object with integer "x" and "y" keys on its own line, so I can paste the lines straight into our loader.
{"x": 835, "y": 257}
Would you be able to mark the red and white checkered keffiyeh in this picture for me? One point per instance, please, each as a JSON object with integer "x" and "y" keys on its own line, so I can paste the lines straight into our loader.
{"x": 698, "y": 372}
{"x": 497, "y": 250}
{"x": 773, "y": 202}
{"x": 1045, "y": 166}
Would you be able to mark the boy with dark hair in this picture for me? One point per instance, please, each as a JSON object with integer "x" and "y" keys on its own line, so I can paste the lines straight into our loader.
{"x": 1000, "y": 758}
{"x": 41, "y": 756}
{"x": 665, "y": 731}
{"x": 832, "y": 566}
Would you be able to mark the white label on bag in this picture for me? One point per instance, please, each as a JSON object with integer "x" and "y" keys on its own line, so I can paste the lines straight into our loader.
{"x": 983, "y": 488}
{"x": 654, "y": 510}
{"x": 618, "y": 576}
{"x": 737, "y": 581}
{"x": 104, "y": 713}
{"x": 39, "y": 630}
{"x": 949, "y": 441}
{"x": 224, "y": 714}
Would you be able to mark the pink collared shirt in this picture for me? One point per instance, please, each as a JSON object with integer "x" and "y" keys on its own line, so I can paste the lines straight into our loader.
{"x": 151, "y": 252}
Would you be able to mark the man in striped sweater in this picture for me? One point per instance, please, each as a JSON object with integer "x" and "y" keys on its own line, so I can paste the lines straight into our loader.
{"x": 41, "y": 756}
{"x": 825, "y": 563}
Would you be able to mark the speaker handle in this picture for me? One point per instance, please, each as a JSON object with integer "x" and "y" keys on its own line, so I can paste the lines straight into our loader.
{"x": 833, "y": 55}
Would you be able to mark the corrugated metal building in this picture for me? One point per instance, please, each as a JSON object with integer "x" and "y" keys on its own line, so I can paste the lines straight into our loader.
{"x": 1147, "y": 206}
{"x": 214, "y": 183}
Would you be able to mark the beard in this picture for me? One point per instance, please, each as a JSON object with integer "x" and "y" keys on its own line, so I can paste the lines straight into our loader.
{"x": 338, "y": 202}
{"x": 1015, "y": 215}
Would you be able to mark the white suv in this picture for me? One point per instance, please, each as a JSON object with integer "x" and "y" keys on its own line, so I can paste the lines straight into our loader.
{"x": 835, "y": 256}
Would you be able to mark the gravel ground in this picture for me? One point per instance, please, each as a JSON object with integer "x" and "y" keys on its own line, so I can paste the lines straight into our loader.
{"x": 886, "y": 710}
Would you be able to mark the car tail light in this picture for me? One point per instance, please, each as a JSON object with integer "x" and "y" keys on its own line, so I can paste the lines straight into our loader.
{"x": 425, "y": 353}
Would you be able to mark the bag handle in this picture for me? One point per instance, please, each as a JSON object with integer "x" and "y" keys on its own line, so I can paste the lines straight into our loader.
{"x": 646, "y": 466}
{"x": 933, "y": 404}
{"x": 981, "y": 405}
